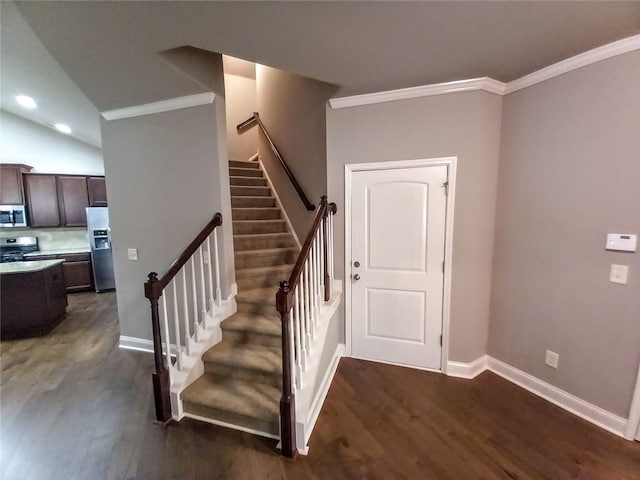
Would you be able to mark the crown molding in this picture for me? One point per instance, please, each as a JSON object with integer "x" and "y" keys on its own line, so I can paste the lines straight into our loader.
{"x": 625, "y": 45}
{"x": 490, "y": 85}
{"x": 161, "y": 106}
{"x": 484, "y": 83}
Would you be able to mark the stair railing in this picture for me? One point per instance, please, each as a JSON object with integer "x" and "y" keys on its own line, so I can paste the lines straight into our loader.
{"x": 255, "y": 120}
{"x": 190, "y": 281}
{"x": 299, "y": 301}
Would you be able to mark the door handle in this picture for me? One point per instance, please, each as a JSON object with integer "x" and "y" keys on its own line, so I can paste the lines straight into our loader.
{"x": 356, "y": 277}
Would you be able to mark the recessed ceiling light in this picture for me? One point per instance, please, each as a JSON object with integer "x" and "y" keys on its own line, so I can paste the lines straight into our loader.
{"x": 26, "y": 101}
{"x": 61, "y": 127}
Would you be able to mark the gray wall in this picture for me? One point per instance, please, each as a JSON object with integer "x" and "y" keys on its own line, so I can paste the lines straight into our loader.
{"x": 293, "y": 110}
{"x": 241, "y": 103}
{"x": 570, "y": 173}
{"x": 466, "y": 125}
{"x": 164, "y": 184}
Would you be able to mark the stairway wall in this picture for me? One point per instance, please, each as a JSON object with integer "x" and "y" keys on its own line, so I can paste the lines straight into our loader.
{"x": 293, "y": 110}
{"x": 167, "y": 176}
{"x": 241, "y": 103}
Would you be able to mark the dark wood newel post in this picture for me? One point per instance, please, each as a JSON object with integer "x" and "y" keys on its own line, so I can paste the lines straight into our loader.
{"x": 161, "y": 374}
{"x": 287, "y": 401}
{"x": 325, "y": 248}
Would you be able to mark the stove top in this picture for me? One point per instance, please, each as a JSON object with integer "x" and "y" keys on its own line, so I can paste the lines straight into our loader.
{"x": 13, "y": 249}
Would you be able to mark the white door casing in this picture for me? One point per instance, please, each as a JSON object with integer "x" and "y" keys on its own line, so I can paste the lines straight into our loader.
{"x": 397, "y": 229}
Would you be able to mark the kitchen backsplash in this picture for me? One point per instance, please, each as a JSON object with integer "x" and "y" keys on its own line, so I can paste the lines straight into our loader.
{"x": 52, "y": 238}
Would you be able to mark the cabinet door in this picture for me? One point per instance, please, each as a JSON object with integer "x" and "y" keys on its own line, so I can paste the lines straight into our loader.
{"x": 11, "y": 185}
{"x": 97, "y": 192}
{"x": 74, "y": 199}
{"x": 78, "y": 276}
{"x": 42, "y": 200}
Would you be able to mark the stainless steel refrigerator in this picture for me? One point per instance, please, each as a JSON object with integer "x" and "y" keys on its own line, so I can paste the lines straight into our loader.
{"x": 100, "y": 242}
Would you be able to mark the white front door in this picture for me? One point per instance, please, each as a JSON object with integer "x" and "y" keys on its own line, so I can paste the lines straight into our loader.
{"x": 397, "y": 257}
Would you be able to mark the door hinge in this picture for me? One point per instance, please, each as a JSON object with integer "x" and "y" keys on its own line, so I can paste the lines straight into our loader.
{"x": 440, "y": 340}
{"x": 445, "y": 185}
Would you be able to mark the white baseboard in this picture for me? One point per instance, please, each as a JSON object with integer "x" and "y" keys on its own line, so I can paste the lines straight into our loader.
{"x": 467, "y": 370}
{"x": 583, "y": 409}
{"x": 137, "y": 344}
{"x": 319, "y": 398}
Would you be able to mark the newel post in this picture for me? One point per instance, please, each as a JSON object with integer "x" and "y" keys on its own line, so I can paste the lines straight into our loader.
{"x": 287, "y": 401}
{"x": 325, "y": 248}
{"x": 161, "y": 373}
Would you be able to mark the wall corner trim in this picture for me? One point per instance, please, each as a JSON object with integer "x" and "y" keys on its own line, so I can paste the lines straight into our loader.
{"x": 583, "y": 409}
{"x": 467, "y": 370}
{"x": 159, "y": 107}
{"x": 484, "y": 83}
{"x": 490, "y": 85}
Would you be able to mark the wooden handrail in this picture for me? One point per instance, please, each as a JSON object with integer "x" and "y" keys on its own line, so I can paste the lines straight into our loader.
{"x": 153, "y": 289}
{"x": 255, "y": 120}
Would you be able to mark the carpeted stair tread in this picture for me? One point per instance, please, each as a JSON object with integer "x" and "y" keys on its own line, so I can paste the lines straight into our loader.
{"x": 260, "y": 241}
{"x": 247, "y": 181}
{"x": 255, "y": 323}
{"x": 283, "y": 270}
{"x": 259, "y": 358}
{"x": 248, "y": 202}
{"x": 250, "y": 191}
{"x": 244, "y": 164}
{"x": 245, "y": 172}
{"x": 249, "y": 227}
{"x": 252, "y": 405}
{"x": 256, "y": 213}
{"x": 258, "y": 295}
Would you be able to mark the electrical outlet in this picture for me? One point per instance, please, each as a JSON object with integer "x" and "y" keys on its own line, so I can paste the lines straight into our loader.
{"x": 132, "y": 254}
{"x": 619, "y": 274}
{"x": 551, "y": 359}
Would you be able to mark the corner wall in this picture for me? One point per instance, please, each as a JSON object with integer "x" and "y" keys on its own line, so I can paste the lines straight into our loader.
{"x": 465, "y": 125}
{"x": 570, "y": 173}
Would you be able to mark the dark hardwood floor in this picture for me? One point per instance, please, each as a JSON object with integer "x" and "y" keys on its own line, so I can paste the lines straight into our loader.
{"x": 74, "y": 406}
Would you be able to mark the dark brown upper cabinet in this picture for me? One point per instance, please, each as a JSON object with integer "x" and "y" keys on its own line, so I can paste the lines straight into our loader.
{"x": 11, "y": 190}
{"x": 97, "y": 191}
{"x": 57, "y": 200}
{"x": 41, "y": 193}
{"x": 73, "y": 198}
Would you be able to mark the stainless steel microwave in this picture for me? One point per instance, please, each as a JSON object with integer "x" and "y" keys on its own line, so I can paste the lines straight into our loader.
{"x": 13, "y": 216}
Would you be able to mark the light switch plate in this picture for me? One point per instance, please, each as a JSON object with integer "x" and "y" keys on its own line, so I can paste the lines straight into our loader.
{"x": 619, "y": 274}
{"x": 132, "y": 254}
{"x": 551, "y": 359}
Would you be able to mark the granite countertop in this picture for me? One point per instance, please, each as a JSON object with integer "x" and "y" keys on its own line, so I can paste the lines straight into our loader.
{"x": 58, "y": 251}
{"x": 28, "y": 267}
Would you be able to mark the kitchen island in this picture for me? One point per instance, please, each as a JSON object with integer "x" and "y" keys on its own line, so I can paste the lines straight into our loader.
{"x": 33, "y": 298}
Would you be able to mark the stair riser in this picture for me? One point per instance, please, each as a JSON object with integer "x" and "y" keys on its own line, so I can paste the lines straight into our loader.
{"x": 256, "y": 214}
{"x": 237, "y": 164}
{"x": 261, "y": 282}
{"x": 258, "y": 308}
{"x": 262, "y": 243}
{"x": 244, "y": 337}
{"x": 248, "y": 181}
{"x": 245, "y": 172}
{"x": 256, "y": 261}
{"x": 232, "y": 418}
{"x": 259, "y": 227}
{"x": 239, "y": 373}
{"x": 250, "y": 191}
{"x": 247, "y": 202}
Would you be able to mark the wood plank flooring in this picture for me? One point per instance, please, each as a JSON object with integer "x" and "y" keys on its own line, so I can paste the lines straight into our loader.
{"x": 74, "y": 406}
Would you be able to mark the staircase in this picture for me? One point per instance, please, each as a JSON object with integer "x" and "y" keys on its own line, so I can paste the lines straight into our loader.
{"x": 242, "y": 382}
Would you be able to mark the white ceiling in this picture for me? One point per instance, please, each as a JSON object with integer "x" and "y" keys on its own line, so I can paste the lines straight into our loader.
{"x": 28, "y": 68}
{"x": 111, "y": 49}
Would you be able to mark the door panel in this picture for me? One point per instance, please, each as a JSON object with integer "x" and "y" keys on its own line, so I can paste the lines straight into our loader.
{"x": 398, "y": 234}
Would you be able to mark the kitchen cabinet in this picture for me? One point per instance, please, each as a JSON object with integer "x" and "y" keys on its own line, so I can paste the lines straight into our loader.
{"x": 77, "y": 270}
{"x": 41, "y": 192}
{"x": 11, "y": 189}
{"x": 97, "y": 191}
{"x": 73, "y": 198}
{"x": 61, "y": 200}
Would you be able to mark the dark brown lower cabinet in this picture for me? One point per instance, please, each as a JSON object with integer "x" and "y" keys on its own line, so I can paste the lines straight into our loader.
{"x": 77, "y": 271}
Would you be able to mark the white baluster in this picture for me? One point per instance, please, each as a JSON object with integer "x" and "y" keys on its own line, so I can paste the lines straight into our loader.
{"x": 301, "y": 357}
{"x": 194, "y": 298}
{"x": 165, "y": 324}
{"x": 185, "y": 319}
{"x": 304, "y": 315}
{"x": 203, "y": 295}
{"x": 321, "y": 236}
{"x": 210, "y": 274}
{"x": 292, "y": 356}
{"x": 309, "y": 306}
{"x": 176, "y": 325}
{"x": 318, "y": 275}
{"x": 331, "y": 272}
{"x": 218, "y": 289}
{"x": 314, "y": 274}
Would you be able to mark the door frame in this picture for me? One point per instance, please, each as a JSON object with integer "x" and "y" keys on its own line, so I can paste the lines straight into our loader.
{"x": 632, "y": 428}
{"x": 349, "y": 169}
